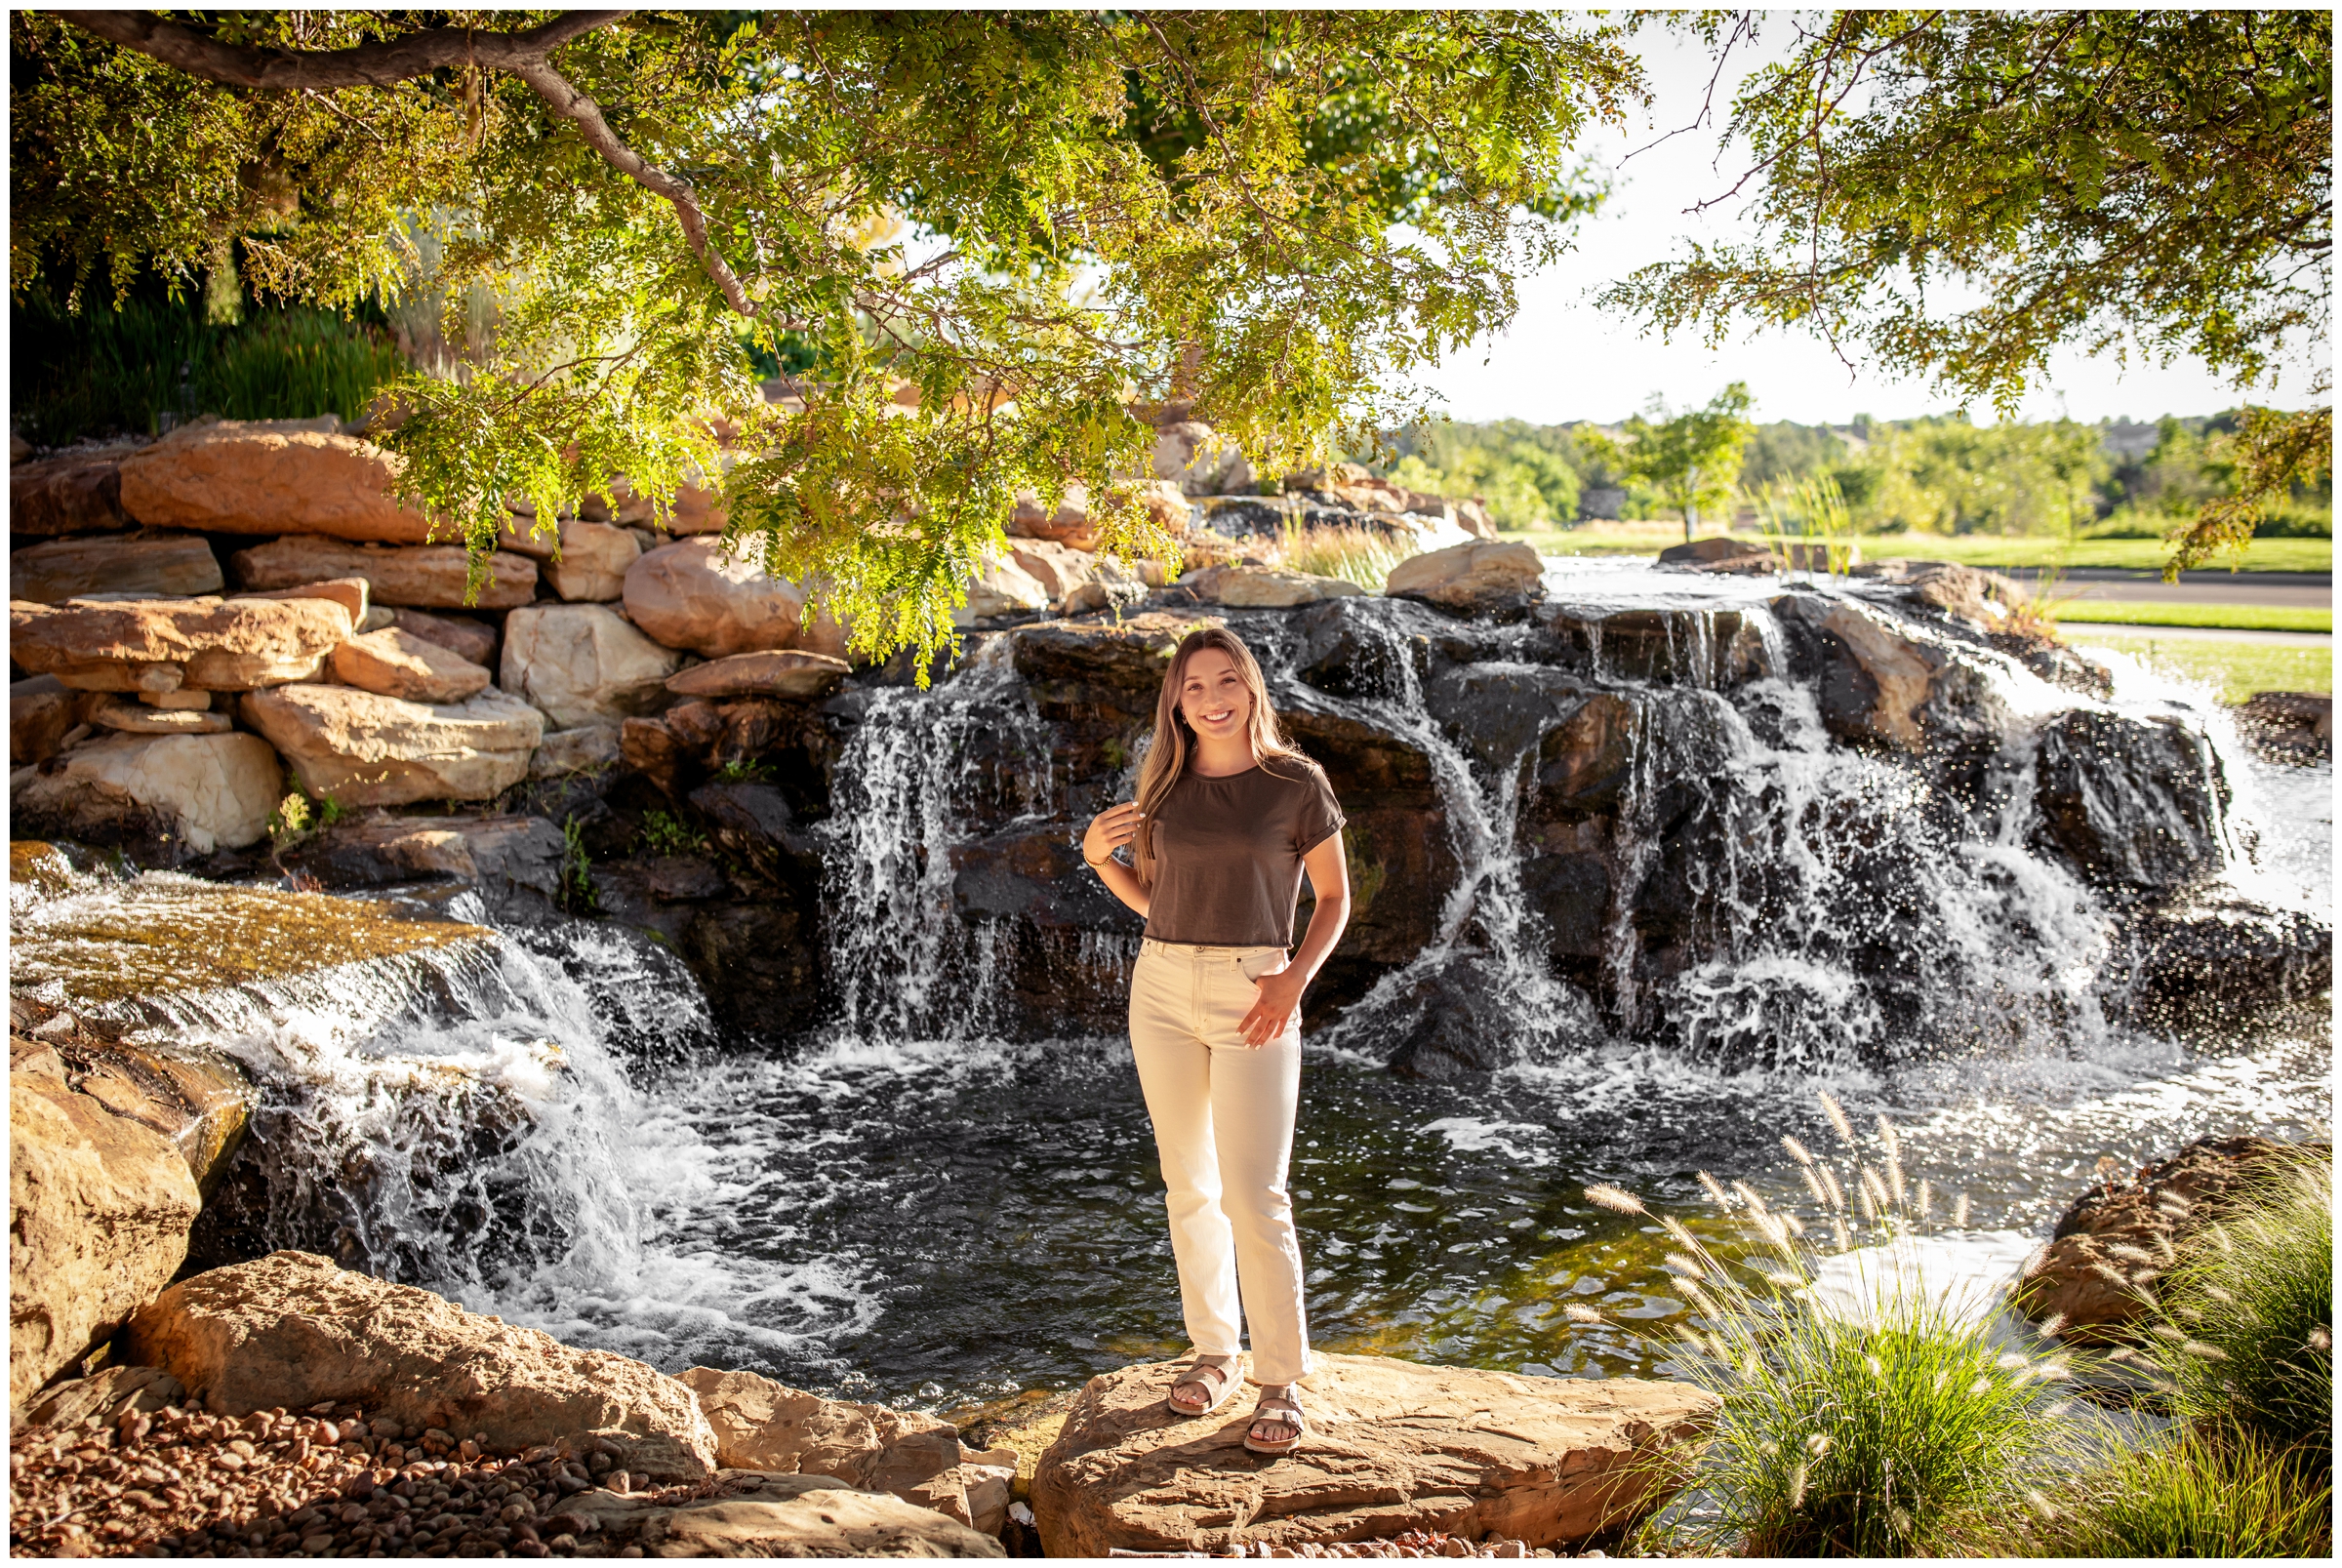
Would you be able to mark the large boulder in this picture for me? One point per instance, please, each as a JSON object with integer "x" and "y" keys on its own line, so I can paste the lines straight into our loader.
{"x": 153, "y": 566}
{"x": 697, "y": 594}
{"x": 362, "y": 749}
{"x": 160, "y": 645}
{"x": 271, "y": 477}
{"x": 1001, "y": 587}
{"x": 2095, "y": 1282}
{"x": 174, "y": 796}
{"x": 76, "y": 491}
{"x": 1192, "y": 455}
{"x": 1259, "y": 587}
{"x": 2132, "y": 804}
{"x": 392, "y": 662}
{"x": 99, "y": 1212}
{"x": 753, "y": 1515}
{"x": 761, "y": 1424}
{"x": 499, "y": 855}
{"x": 584, "y": 664}
{"x": 1073, "y": 522}
{"x": 436, "y": 575}
{"x": 350, "y": 592}
{"x": 42, "y": 710}
{"x": 789, "y": 673}
{"x": 291, "y": 1330}
{"x": 1477, "y": 577}
{"x": 1396, "y": 1447}
{"x": 584, "y": 562}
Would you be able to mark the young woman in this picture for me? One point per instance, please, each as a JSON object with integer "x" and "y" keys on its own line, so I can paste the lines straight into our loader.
{"x": 1228, "y": 817}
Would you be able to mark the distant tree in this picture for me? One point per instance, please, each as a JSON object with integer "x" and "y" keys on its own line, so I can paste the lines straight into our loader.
{"x": 988, "y": 243}
{"x": 1691, "y": 458}
{"x": 2150, "y": 180}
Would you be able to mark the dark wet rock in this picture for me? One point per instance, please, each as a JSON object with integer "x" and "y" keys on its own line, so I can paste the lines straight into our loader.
{"x": 2289, "y": 726}
{"x": 2208, "y": 964}
{"x": 1886, "y": 684}
{"x": 1496, "y": 712}
{"x": 2067, "y": 668}
{"x": 2093, "y": 1279}
{"x": 1706, "y": 648}
{"x": 1035, "y": 875}
{"x": 2131, "y": 804}
{"x": 759, "y": 962}
{"x": 514, "y": 860}
{"x": 1584, "y": 763}
{"x": 683, "y": 880}
{"x": 1570, "y": 891}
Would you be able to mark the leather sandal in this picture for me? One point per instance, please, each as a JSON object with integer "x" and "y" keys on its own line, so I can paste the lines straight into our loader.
{"x": 1216, "y": 1375}
{"x": 1277, "y": 1410}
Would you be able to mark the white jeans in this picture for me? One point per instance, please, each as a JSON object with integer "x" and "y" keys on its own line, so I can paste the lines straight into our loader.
{"x": 1223, "y": 1113}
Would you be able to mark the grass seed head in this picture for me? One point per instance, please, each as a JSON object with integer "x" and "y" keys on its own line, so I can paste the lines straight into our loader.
{"x": 1838, "y": 1118}
{"x": 1797, "y": 1151}
{"x": 1889, "y": 1140}
{"x": 2053, "y": 1325}
{"x": 1749, "y": 1195}
{"x": 1797, "y": 1487}
{"x": 1959, "y": 1211}
{"x": 1818, "y": 1444}
{"x": 1685, "y": 1268}
{"x": 1715, "y": 1191}
{"x": 1603, "y": 1195}
{"x": 1580, "y": 1313}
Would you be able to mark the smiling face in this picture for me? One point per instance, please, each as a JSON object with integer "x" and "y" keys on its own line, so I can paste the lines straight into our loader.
{"x": 1213, "y": 697}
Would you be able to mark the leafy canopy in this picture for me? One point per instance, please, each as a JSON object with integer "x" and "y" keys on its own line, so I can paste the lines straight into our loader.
{"x": 1961, "y": 193}
{"x": 990, "y": 244}
{"x": 1691, "y": 458}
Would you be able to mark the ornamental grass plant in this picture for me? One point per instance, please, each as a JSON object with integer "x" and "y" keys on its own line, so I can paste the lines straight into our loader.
{"x": 1355, "y": 554}
{"x": 2202, "y": 1492}
{"x": 1865, "y": 1422}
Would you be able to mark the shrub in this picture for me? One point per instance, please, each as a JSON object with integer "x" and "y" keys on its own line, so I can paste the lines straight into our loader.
{"x": 2201, "y": 1494}
{"x": 2247, "y": 1330}
{"x": 1355, "y": 555}
{"x": 1884, "y": 1426}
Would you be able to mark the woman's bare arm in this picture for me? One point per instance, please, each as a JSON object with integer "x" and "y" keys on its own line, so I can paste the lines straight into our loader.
{"x": 1109, "y": 831}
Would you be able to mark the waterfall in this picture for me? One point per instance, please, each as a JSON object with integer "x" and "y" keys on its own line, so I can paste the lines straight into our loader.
{"x": 903, "y": 962}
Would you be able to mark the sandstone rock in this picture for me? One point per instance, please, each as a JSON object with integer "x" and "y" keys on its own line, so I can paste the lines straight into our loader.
{"x": 154, "y": 566}
{"x": 1253, "y": 588}
{"x": 2123, "y": 1235}
{"x": 564, "y": 751}
{"x": 1059, "y": 569}
{"x": 1880, "y": 683}
{"x": 1192, "y": 456}
{"x": 104, "y": 1398}
{"x": 1960, "y": 592}
{"x": 367, "y": 750}
{"x": 436, "y": 576}
{"x": 474, "y": 640}
{"x": 72, "y": 493}
{"x": 696, "y": 595}
{"x": 99, "y": 1212}
{"x": 1718, "y": 554}
{"x": 791, "y": 673}
{"x": 592, "y": 568}
{"x": 1001, "y": 587}
{"x": 1067, "y": 523}
{"x": 196, "y": 1098}
{"x": 1396, "y": 1447}
{"x": 759, "y": 1515}
{"x": 583, "y": 663}
{"x": 1479, "y": 575}
{"x": 291, "y": 1330}
{"x": 1111, "y": 585}
{"x": 350, "y": 592}
{"x": 177, "y": 795}
{"x": 269, "y": 477}
{"x": 163, "y": 644}
{"x": 42, "y": 711}
{"x": 399, "y": 664}
{"x": 1473, "y": 517}
{"x": 760, "y": 1425}
{"x": 111, "y": 712}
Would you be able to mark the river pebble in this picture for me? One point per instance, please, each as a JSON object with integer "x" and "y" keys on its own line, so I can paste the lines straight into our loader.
{"x": 319, "y": 1482}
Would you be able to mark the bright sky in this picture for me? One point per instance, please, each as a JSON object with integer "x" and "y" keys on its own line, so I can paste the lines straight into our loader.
{"x": 1566, "y": 360}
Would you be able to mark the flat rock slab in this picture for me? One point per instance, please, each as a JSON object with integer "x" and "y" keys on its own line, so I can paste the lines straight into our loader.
{"x": 436, "y": 575}
{"x": 160, "y": 565}
{"x": 171, "y": 796}
{"x": 291, "y": 1330}
{"x": 285, "y": 476}
{"x": 1395, "y": 1446}
{"x": 790, "y": 672}
{"x": 159, "y": 645}
{"x": 1252, "y": 587}
{"x": 1481, "y": 575}
{"x": 759, "y": 1515}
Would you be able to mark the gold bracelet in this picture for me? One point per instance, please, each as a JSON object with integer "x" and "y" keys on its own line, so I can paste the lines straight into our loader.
{"x": 1097, "y": 865}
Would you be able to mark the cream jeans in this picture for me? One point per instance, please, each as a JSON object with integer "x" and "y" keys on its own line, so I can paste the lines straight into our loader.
{"x": 1223, "y": 1113}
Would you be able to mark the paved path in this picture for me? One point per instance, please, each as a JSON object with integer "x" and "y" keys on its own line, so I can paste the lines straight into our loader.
{"x": 2304, "y": 590}
{"x": 2092, "y": 630}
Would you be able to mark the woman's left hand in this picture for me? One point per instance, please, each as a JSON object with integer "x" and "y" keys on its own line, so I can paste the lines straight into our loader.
{"x": 1280, "y": 1000}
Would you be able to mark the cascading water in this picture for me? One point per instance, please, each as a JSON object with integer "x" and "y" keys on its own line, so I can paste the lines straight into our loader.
{"x": 943, "y": 1193}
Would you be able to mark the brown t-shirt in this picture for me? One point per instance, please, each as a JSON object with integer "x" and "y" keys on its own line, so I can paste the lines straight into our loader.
{"x": 1227, "y": 853}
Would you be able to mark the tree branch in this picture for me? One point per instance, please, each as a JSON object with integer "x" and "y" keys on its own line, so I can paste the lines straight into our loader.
{"x": 383, "y": 63}
{"x": 387, "y": 62}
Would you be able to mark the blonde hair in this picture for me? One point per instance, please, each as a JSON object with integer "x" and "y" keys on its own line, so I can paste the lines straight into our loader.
{"x": 1167, "y": 753}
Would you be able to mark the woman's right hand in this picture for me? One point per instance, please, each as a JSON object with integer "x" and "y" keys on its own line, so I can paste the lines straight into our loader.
{"x": 1110, "y": 830}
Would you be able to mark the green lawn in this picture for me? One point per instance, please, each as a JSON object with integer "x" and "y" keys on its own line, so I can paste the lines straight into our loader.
{"x": 1969, "y": 549}
{"x": 2236, "y": 668}
{"x": 2157, "y": 613}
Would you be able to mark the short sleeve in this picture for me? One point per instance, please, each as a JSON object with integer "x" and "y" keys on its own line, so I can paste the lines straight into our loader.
{"x": 1320, "y": 813}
